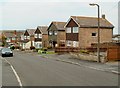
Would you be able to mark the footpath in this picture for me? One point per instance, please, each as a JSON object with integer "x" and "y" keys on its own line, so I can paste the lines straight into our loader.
{"x": 113, "y": 67}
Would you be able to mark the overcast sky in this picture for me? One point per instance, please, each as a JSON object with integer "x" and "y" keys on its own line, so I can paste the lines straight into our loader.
{"x": 24, "y": 14}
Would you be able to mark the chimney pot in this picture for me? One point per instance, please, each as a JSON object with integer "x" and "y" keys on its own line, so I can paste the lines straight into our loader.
{"x": 103, "y": 16}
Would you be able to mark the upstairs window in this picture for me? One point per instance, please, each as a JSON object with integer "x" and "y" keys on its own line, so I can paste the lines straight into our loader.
{"x": 25, "y": 37}
{"x": 28, "y": 37}
{"x": 40, "y": 35}
{"x": 55, "y": 32}
{"x": 35, "y": 35}
{"x": 75, "y": 29}
{"x": 94, "y": 34}
{"x": 50, "y": 33}
{"x": 68, "y": 30}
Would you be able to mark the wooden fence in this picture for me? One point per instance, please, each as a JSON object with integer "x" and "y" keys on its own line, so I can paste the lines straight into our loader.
{"x": 113, "y": 53}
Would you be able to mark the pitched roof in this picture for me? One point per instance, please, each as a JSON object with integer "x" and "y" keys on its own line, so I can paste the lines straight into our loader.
{"x": 59, "y": 25}
{"x": 31, "y": 31}
{"x": 91, "y": 22}
{"x": 43, "y": 29}
{"x": 12, "y": 33}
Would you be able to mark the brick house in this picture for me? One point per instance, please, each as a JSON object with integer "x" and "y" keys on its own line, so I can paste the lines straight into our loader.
{"x": 41, "y": 37}
{"x": 81, "y": 32}
{"x": 56, "y": 34}
{"x": 12, "y": 37}
{"x": 27, "y": 39}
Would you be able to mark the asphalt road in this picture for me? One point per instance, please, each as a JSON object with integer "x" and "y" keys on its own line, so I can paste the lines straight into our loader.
{"x": 34, "y": 70}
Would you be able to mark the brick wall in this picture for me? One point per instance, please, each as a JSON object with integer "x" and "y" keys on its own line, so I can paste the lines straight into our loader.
{"x": 61, "y": 37}
{"x": 86, "y": 38}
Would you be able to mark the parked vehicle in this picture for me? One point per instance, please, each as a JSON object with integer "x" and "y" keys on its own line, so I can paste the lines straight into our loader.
{"x": 6, "y": 52}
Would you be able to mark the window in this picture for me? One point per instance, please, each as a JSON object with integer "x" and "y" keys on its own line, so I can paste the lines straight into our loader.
{"x": 55, "y": 32}
{"x": 69, "y": 43}
{"x": 13, "y": 38}
{"x": 93, "y": 34}
{"x": 40, "y": 35}
{"x": 75, "y": 43}
{"x": 50, "y": 33}
{"x": 35, "y": 35}
{"x": 28, "y": 37}
{"x": 75, "y": 29}
{"x": 68, "y": 30}
{"x": 25, "y": 37}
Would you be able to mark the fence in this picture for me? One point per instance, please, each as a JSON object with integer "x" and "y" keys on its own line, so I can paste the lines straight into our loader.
{"x": 113, "y": 53}
{"x": 64, "y": 49}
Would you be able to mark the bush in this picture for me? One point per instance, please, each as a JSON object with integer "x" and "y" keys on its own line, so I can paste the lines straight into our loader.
{"x": 41, "y": 52}
{"x": 84, "y": 51}
{"x": 49, "y": 47}
{"x": 12, "y": 47}
{"x": 32, "y": 47}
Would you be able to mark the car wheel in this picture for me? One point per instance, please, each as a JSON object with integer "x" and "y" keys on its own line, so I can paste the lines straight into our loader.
{"x": 2, "y": 55}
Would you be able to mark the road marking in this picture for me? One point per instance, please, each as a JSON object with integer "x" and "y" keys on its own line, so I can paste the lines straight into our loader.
{"x": 17, "y": 77}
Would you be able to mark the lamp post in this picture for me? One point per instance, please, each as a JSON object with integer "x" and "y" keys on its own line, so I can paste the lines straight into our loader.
{"x": 98, "y": 38}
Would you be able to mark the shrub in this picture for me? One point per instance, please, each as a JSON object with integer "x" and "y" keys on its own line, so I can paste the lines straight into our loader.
{"x": 49, "y": 47}
{"x": 12, "y": 47}
{"x": 84, "y": 51}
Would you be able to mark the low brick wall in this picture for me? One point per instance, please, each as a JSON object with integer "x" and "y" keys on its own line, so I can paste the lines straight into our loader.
{"x": 88, "y": 57}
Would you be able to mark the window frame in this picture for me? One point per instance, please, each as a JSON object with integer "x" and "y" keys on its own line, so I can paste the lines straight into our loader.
{"x": 75, "y": 29}
{"x": 69, "y": 29}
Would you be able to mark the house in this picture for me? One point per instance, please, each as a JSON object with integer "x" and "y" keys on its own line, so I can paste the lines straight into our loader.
{"x": 41, "y": 37}
{"x": 12, "y": 37}
{"x": 27, "y": 39}
{"x": 116, "y": 38}
{"x": 81, "y": 32}
{"x": 56, "y": 34}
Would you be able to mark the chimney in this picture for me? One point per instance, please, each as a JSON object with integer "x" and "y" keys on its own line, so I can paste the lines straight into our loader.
{"x": 103, "y": 16}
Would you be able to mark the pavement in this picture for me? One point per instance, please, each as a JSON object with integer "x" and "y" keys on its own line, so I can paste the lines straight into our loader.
{"x": 112, "y": 67}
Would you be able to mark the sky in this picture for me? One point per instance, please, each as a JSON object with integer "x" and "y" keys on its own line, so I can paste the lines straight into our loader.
{"x": 26, "y": 14}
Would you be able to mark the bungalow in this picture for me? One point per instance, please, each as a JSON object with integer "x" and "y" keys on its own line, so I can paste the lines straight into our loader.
{"x": 41, "y": 37}
{"x": 81, "y": 31}
{"x": 56, "y": 34}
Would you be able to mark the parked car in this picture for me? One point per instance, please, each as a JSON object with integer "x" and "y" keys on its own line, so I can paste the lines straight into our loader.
{"x": 6, "y": 52}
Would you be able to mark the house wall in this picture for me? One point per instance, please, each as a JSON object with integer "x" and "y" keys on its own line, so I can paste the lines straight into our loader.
{"x": 44, "y": 40}
{"x": 52, "y": 37}
{"x": 86, "y": 38}
{"x": 61, "y": 37}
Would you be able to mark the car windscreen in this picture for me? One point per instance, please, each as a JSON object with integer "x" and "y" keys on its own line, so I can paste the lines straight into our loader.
{"x": 6, "y": 49}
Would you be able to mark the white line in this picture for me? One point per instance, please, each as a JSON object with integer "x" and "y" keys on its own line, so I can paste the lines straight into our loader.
{"x": 17, "y": 77}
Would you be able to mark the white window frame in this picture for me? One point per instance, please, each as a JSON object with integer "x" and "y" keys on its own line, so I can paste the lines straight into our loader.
{"x": 69, "y": 43}
{"x": 55, "y": 32}
{"x": 35, "y": 35}
{"x": 68, "y": 30}
{"x": 40, "y": 35}
{"x": 95, "y": 34}
{"x": 28, "y": 37}
{"x": 75, "y": 29}
{"x": 50, "y": 33}
{"x": 75, "y": 44}
{"x": 13, "y": 38}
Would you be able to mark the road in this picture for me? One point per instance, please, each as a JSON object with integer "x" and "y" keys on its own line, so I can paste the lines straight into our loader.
{"x": 34, "y": 70}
